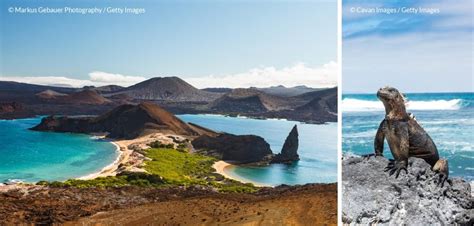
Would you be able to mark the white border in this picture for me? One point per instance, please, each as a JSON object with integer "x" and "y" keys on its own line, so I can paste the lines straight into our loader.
{"x": 339, "y": 115}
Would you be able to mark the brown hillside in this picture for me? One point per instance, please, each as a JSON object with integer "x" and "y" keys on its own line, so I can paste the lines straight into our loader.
{"x": 49, "y": 94}
{"x": 167, "y": 89}
{"x": 84, "y": 97}
{"x": 249, "y": 101}
{"x": 125, "y": 121}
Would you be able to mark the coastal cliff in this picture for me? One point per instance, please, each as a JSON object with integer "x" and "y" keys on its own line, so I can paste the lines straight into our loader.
{"x": 247, "y": 149}
{"x": 239, "y": 149}
{"x": 370, "y": 196}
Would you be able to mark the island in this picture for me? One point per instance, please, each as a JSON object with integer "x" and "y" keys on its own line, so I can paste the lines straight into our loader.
{"x": 165, "y": 161}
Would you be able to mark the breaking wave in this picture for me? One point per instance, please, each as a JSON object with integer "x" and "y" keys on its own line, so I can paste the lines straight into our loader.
{"x": 351, "y": 104}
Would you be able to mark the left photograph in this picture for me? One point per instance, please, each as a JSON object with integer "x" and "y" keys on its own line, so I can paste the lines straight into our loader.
{"x": 168, "y": 113}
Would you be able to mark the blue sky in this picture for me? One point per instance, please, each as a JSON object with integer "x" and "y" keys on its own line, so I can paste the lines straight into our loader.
{"x": 191, "y": 39}
{"x": 414, "y": 52}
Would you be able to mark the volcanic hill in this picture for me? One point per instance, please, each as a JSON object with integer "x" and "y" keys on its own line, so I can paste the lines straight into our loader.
{"x": 49, "y": 94}
{"x": 167, "y": 89}
{"x": 248, "y": 101}
{"x": 126, "y": 121}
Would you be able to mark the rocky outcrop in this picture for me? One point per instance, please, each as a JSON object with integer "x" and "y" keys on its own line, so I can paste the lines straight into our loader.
{"x": 289, "y": 152}
{"x": 371, "y": 196}
{"x": 247, "y": 149}
{"x": 235, "y": 148}
{"x": 126, "y": 121}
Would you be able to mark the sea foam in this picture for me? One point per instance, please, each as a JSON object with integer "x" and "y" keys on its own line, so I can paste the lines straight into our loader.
{"x": 351, "y": 104}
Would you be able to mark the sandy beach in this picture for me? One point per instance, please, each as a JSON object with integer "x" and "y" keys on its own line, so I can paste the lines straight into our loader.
{"x": 133, "y": 160}
{"x": 111, "y": 169}
{"x": 220, "y": 167}
{"x": 129, "y": 158}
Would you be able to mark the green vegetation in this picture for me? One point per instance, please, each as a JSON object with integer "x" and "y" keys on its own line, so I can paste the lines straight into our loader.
{"x": 177, "y": 167}
{"x": 136, "y": 179}
{"x": 158, "y": 144}
{"x": 167, "y": 167}
{"x": 181, "y": 148}
{"x": 101, "y": 182}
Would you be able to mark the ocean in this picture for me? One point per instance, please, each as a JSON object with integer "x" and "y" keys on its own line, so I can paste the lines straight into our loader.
{"x": 317, "y": 149}
{"x": 31, "y": 156}
{"x": 447, "y": 117}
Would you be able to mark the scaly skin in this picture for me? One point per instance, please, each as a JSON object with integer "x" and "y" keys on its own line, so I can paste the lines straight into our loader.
{"x": 405, "y": 137}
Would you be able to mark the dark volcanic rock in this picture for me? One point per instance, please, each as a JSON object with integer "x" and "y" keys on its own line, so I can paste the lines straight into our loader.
{"x": 287, "y": 91}
{"x": 251, "y": 100}
{"x": 313, "y": 107}
{"x": 251, "y": 104}
{"x": 10, "y": 107}
{"x": 235, "y": 148}
{"x": 289, "y": 152}
{"x": 371, "y": 196}
{"x": 12, "y": 110}
{"x": 126, "y": 121}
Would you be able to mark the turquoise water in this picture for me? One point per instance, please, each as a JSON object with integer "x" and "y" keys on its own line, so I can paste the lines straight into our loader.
{"x": 32, "y": 156}
{"x": 447, "y": 117}
{"x": 317, "y": 149}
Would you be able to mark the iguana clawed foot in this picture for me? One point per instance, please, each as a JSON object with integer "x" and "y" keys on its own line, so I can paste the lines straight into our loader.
{"x": 442, "y": 178}
{"x": 442, "y": 168}
{"x": 395, "y": 167}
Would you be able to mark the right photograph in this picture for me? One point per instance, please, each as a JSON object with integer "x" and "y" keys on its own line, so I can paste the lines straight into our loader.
{"x": 407, "y": 112}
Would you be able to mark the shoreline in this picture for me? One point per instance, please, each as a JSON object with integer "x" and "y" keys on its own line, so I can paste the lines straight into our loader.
{"x": 220, "y": 167}
{"x": 110, "y": 169}
{"x": 127, "y": 156}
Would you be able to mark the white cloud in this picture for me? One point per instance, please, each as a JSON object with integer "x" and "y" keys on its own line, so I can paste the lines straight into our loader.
{"x": 298, "y": 74}
{"x": 116, "y": 79}
{"x": 48, "y": 80}
{"x": 96, "y": 78}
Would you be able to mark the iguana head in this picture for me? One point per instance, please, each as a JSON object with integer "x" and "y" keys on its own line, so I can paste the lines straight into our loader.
{"x": 394, "y": 102}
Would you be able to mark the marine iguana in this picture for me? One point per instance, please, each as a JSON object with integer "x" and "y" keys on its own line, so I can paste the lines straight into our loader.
{"x": 405, "y": 137}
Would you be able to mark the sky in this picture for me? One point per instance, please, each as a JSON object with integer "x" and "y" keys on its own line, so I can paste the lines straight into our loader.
{"x": 412, "y": 52}
{"x": 208, "y": 43}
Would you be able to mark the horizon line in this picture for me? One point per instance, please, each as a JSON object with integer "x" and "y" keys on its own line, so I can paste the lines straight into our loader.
{"x": 216, "y": 87}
